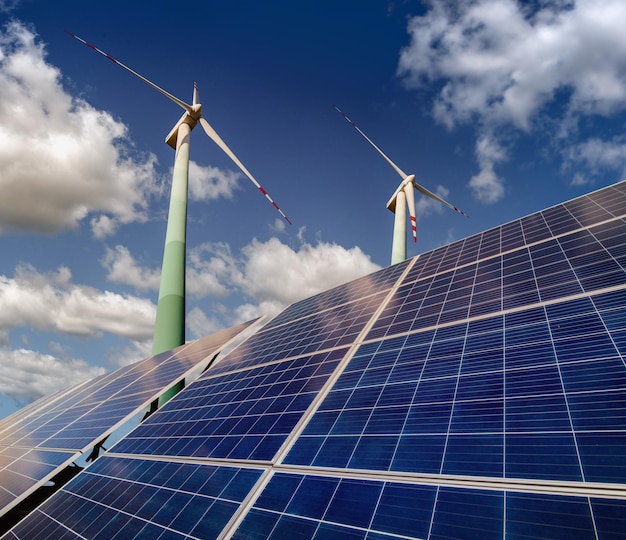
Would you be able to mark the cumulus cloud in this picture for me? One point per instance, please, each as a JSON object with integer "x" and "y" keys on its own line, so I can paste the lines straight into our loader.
{"x": 273, "y": 275}
{"x": 27, "y": 375}
{"x": 122, "y": 268}
{"x": 486, "y": 185}
{"x": 53, "y": 302}
{"x": 72, "y": 156}
{"x": 206, "y": 183}
{"x": 595, "y": 157}
{"x": 269, "y": 276}
{"x": 8, "y": 5}
{"x": 131, "y": 353}
{"x": 199, "y": 324}
{"x": 501, "y": 63}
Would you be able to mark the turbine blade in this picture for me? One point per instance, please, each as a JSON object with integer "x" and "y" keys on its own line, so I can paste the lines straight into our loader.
{"x": 430, "y": 194}
{"x": 157, "y": 88}
{"x": 410, "y": 202}
{"x": 396, "y": 168}
{"x": 218, "y": 140}
{"x": 196, "y": 96}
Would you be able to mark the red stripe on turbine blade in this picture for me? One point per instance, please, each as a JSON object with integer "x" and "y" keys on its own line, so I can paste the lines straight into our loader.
{"x": 413, "y": 220}
{"x": 267, "y": 196}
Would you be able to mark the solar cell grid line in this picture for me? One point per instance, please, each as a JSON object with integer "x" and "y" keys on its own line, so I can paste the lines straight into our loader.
{"x": 588, "y": 214}
{"x": 35, "y": 407}
{"x": 70, "y": 428}
{"x": 450, "y": 259}
{"x": 341, "y": 294}
{"x": 251, "y": 420}
{"x": 560, "y": 220}
{"x": 334, "y": 328}
{"x": 40, "y": 431}
{"x": 325, "y": 506}
{"x": 245, "y": 415}
{"x": 613, "y": 198}
{"x": 129, "y": 497}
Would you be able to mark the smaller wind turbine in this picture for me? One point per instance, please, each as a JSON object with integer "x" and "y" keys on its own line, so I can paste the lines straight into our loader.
{"x": 402, "y": 198}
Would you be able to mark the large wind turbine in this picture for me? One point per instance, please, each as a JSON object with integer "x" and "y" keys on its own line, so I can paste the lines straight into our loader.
{"x": 169, "y": 331}
{"x": 402, "y": 198}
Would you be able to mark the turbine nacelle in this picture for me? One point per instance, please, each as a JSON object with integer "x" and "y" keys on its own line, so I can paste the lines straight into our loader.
{"x": 409, "y": 180}
{"x": 172, "y": 136}
{"x": 192, "y": 115}
{"x": 404, "y": 196}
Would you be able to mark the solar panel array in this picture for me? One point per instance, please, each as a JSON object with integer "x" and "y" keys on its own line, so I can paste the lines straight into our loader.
{"x": 44, "y": 437}
{"x": 476, "y": 391}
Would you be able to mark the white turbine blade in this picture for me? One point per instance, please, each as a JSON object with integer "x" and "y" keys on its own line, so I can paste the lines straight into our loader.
{"x": 396, "y": 168}
{"x": 196, "y": 96}
{"x": 410, "y": 202}
{"x": 430, "y": 194}
{"x": 157, "y": 88}
{"x": 218, "y": 140}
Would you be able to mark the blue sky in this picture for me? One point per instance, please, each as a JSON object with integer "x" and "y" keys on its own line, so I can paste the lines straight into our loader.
{"x": 502, "y": 107}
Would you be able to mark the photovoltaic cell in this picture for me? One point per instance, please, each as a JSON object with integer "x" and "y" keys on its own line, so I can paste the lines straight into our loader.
{"x": 326, "y": 507}
{"x": 244, "y": 414}
{"x": 476, "y": 391}
{"x": 37, "y": 443}
{"x": 153, "y": 500}
{"x": 104, "y": 401}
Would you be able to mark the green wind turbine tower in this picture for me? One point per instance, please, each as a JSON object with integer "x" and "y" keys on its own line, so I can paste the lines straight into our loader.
{"x": 169, "y": 331}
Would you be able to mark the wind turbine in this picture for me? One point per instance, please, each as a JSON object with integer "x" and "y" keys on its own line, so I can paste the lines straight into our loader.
{"x": 169, "y": 331}
{"x": 402, "y": 198}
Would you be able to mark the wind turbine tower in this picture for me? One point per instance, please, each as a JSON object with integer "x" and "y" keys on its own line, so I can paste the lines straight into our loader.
{"x": 169, "y": 331}
{"x": 402, "y": 199}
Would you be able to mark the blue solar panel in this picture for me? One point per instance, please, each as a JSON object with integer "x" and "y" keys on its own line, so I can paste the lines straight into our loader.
{"x": 326, "y": 507}
{"x": 154, "y": 499}
{"x": 37, "y": 443}
{"x": 245, "y": 414}
{"x": 476, "y": 391}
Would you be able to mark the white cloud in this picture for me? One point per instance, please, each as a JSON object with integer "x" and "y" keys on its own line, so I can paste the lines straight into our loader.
{"x": 134, "y": 352}
{"x": 275, "y": 275}
{"x": 594, "y": 157}
{"x": 69, "y": 154}
{"x": 502, "y": 62}
{"x": 200, "y": 325}
{"x": 27, "y": 375}
{"x": 8, "y": 5}
{"x": 103, "y": 226}
{"x": 486, "y": 185}
{"x": 425, "y": 206}
{"x": 210, "y": 270}
{"x": 268, "y": 275}
{"x": 207, "y": 183}
{"x": 52, "y": 302}
{"x": 122, "y": 268}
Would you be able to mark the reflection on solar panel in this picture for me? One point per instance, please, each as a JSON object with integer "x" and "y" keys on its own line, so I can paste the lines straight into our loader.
{"x": 476, "y": 391}
{"x": 51, "y": 433}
